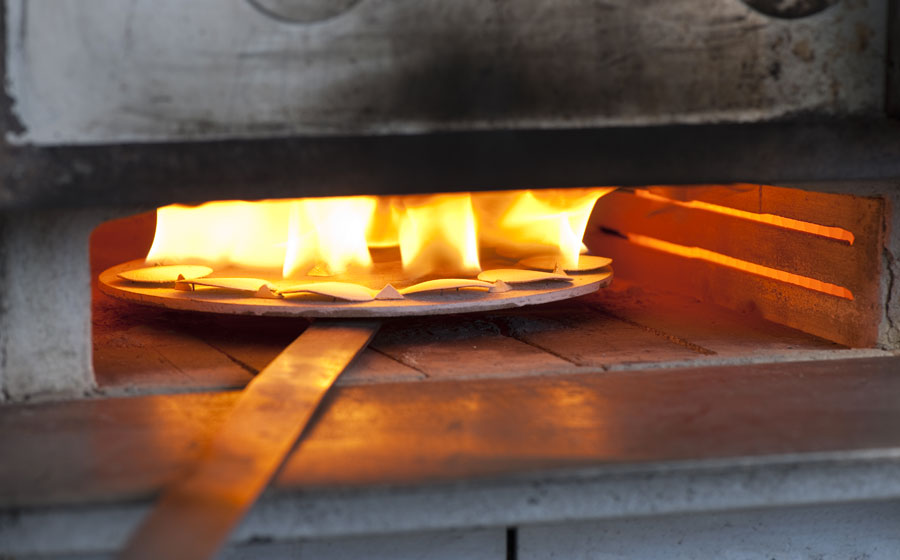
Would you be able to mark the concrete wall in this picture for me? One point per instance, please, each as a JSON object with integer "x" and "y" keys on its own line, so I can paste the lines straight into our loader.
{"x": 45, "y": 303}
{"x": 813, "y": 533}
{"x": 821, "y": 532}
{"x": 98, "y": 71}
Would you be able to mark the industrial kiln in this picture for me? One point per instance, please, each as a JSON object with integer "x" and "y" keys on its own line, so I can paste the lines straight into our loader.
{"x": 732, "y": 391}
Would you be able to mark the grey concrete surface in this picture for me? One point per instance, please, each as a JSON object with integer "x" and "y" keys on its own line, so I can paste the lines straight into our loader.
{"x": 590, "y": 495}
{"x": 828, "y": 532}
{"x": 100, "y": 71}
{"x": 45, "y": 303}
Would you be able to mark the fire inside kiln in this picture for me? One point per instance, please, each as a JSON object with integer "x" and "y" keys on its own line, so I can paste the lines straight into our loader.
{"x": 459, "y": 247}
{"x": 439, "y": 235}
{"x": 804, "y": 259}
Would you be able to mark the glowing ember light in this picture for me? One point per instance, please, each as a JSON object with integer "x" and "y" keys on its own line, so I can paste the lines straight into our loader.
{"x": 247, "y": 234}
{"x": 328, "y": 235}
{"x": 437, "y": 234}
{"x": 384, "y": 229}
{"x": 739, "y": 264}
{"x": 831, "y": 232}
{"x": 537, "y": 222}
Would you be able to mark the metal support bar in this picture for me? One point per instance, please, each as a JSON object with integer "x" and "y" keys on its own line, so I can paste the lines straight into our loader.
{"x": 194, "y": 516}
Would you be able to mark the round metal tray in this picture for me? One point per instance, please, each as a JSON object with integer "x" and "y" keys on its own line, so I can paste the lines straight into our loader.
{"x": 212, "y": 300}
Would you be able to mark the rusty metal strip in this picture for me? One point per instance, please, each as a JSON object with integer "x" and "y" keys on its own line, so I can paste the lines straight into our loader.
{"x": 194, "y": 515}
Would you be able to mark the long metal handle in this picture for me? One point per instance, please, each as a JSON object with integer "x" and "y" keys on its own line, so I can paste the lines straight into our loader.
{"x": 195, "y": 515}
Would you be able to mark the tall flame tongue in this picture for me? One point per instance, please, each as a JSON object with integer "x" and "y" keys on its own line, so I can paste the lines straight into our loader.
{"x": 384, "y": 229}
{"x": 248, "y": 234}
{"x": 327, "y": 236}
{"x": 537, "y": 222}
{"x": 437, "y": 234}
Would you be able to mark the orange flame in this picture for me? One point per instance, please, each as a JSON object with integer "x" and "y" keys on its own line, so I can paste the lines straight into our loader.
{"x": 249, "y": 234}
{"x": 328, "y": 235}
{"x": 538, "y": 222}
{"x": 384, "y": 229}
{"x": 436, "y": 234}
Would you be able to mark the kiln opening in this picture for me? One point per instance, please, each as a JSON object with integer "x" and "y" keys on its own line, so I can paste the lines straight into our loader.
{"x": 706, "y": 274}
